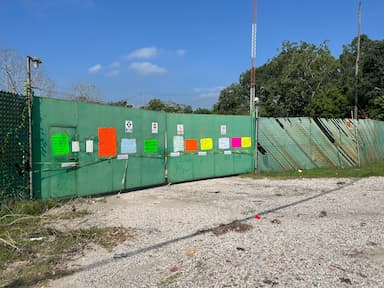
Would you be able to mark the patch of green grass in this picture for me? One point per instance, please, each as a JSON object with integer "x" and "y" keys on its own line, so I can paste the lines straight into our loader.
{"x": 28, "y": 207}
{"x": 368, "y": 170}
{"x": 72, "y": 214}
{"x": 32, "y": 248}
{"x": 169, "y": 280}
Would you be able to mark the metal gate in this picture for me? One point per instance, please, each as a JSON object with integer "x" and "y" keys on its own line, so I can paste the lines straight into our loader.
{"x": 86, "y": 149}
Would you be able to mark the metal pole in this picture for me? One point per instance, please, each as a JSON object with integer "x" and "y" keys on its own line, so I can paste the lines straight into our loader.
{"x": 29, "y": 103}
{"x": 257, "y": 138}
{"x": 357, "y": 62}
{"x": 356, "y": 84}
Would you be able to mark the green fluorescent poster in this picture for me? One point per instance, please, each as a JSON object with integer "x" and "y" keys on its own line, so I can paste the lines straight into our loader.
{"x": 150, "y": 145}
{"x": 60, "y": 144}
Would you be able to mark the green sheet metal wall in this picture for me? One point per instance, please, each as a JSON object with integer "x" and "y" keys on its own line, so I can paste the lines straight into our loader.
{"x": 86, "y": 149}
{"x": 305, "y": 143}
{"x": 204, "y": 146}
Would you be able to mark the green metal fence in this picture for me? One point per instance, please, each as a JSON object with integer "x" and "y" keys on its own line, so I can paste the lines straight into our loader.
{"x": 14, "y": 153}
{"x": 87, "y": 149}
{"x": 305, "y": 143}
{"x": 84, "y": 149}
{"x": 205, "y": 146}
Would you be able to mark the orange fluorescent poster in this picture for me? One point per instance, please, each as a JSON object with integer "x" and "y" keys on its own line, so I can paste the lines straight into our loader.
{"x": 107, "y": 142}
{"x": 191, "y": 145}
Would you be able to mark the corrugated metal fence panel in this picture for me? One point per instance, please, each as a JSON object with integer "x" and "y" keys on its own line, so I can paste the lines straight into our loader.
{"x": 371, "y": 149}
{"x": 134, "y": 139}
{"x": 305, "y": 143}
{"x": 204, "y": 146}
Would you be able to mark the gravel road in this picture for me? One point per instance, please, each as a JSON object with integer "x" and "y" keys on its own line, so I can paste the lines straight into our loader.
{"x": 308, "y": 233}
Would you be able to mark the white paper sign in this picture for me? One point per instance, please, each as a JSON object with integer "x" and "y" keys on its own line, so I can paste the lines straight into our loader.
{"x": 128, "y": 126}
{"x": 202, "y": 153}
{"x": 68, "y": 164}
{"x": 89, "y": 146}
{"x": 122, "y": 156}
{"x": 180, "y": 129}
{"x": 227, "y": 152}
{"x": 155, "y": 128}
{"x": 223, "y": 129}
{"x": 75, "y": 146}
{"x": 224, "y": 143}
{"x": 178, "y": 143}
{"x": 175, "y": 154}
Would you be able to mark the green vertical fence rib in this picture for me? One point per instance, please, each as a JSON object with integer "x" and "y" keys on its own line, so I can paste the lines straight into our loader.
{"x": 188, "y": 164}
{"x": 14, "y": 147}
{"x": 87, "y": 173}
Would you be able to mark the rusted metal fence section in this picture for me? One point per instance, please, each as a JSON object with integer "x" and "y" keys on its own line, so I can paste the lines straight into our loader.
{"x": 306, "y": 143}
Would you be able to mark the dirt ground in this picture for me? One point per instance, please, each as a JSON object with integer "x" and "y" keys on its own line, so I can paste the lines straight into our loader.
{"x": 237, "y": 232}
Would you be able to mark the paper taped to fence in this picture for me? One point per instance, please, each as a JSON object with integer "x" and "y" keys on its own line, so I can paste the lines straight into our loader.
{"x": 246, "y": 142}
{"x": 128, "y": 146}
{"x": 178, "y": 143}
{"x": 107, "y": 142}
{"x": 151, "y": 146}
{"x": 59, "y": 144}
{"x": 206, "y": 144}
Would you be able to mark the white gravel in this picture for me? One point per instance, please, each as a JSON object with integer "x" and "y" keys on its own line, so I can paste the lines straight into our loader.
{"x": 335, "y": 238}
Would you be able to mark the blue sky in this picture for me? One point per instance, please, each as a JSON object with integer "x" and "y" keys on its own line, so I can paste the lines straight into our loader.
{"x": 175, "y": 50}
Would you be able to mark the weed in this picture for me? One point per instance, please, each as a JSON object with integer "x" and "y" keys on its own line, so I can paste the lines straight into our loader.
{"x": 31, "y": 252}
{"x": 368, "y": 170}
{"x": 169, "y": 280}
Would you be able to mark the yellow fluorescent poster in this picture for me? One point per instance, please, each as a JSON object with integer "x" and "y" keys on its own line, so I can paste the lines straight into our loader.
{"x": 206, "y": 144}
{"x": 246, "y": 142}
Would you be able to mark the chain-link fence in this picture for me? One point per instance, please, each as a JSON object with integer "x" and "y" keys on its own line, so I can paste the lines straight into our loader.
{"x": 14, "y": 162}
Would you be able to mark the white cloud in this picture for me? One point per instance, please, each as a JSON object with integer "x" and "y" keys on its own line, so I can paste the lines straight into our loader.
{"x": 114, "y": 65}
{"x": 208, "y": 93}
{"x": 180, "y": 52}
{"x": 143, "y": 53}
{"x": 94, "y": 69}
{"x": 147, "y": 68}
{"x": 113, "y": 73}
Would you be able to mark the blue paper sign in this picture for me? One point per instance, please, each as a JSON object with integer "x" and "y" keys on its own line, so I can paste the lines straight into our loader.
{"x": 128, "y": 146}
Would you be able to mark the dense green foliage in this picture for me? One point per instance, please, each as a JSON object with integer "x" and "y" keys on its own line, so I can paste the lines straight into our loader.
{"x": 306, "y": 80}
{"x": 170, "y": 107}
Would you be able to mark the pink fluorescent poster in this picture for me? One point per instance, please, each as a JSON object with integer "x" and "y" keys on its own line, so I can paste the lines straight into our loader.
{"x": 236, "y": 142}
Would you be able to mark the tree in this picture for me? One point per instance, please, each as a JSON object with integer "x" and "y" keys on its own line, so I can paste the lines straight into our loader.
{"x": 13, "y": 75}
{"x": 233, "y": 100}
{"x": 202, "y": 111}
{"x": 371, "y": 74}
{"x": 85, "y": 92}
{"x": 170, "y": 107}
{"x": 122, "y": 103}
{"x": 301, "y": 81}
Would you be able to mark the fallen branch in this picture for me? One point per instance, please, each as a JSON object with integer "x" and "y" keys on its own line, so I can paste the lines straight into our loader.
{"x": 13, "y": 215}
{"x": 9, "y": 244}
{"x": 20, "y": 219}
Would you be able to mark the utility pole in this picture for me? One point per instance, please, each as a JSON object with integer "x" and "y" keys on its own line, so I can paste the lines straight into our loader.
{"x": 252, "y": 91}
{"x": 36, "y": 62}
{"x": 253, "y": 100}
{"x": 357, "y": 62}
{"x": 356, "y": 84}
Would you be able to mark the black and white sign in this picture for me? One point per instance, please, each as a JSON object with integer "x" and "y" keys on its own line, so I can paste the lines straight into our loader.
{"x": 128, "y": 126}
